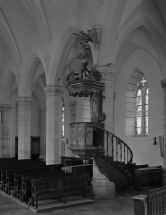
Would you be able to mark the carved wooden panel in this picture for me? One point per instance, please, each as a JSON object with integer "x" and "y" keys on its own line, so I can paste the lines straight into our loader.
{"x": 89, "y": 136}
{"x": 81, "y": 134}
{"x": 73, "y": 134}
{"x": 94, "y": 107}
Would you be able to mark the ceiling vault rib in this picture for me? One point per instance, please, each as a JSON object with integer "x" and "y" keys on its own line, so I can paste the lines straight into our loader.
{"x": 13, "y": 36}
{"x": 46, "y": 20}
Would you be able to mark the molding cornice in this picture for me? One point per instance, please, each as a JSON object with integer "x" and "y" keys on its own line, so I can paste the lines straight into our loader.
{"x": 26, "y": 101}
{"x": 108, "y": 73}
{"x": 5, "y": 107}
{"x": 163, "y": 83}
{"x": 18, "y": 78}
{"x": 47, "y": 60}
{"x": 72, "y": 104}
{"x": 53, "y": 91}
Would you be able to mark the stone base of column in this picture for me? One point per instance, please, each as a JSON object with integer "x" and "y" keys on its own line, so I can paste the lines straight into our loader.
{"x": 56, "y": 161}
{"x": 103, "y": 188}
{"x": 26, "y": 154}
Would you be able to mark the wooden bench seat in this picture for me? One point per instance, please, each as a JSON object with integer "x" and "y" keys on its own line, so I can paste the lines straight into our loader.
{"x": 58, "y": 187}
{"x": 7, "y": 174}
{"x": 7, "y": 164}
{"x": 11, "y": 165}
{"x": 24, "y": 192}
{"x": 10, "y": 174}
{"x": 75, "y": 185}
{"x": 84, "y": 169}
{"x": 148, "y": 178}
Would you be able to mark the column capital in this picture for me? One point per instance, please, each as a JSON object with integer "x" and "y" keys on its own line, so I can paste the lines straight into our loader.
{"x": 24, "y": 101}
{"x": 163, "y": 83}
{"x": 53, "y": 91}
{"x": 72, "y": 103}
{"x": 5, "y": 107}
{"x": 108, "y": 72}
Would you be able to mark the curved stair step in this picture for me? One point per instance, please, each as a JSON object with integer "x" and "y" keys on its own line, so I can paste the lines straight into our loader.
{"x": 113, "y": 174}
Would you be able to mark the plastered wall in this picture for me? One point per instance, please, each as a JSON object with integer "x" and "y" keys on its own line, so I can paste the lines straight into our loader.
{"x": 143, "y": 149}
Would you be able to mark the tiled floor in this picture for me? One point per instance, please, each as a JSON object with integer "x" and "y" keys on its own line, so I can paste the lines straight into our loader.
{"x": 122, "y": 204}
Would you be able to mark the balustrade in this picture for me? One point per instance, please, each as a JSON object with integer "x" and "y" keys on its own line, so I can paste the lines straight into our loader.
{"x": 87, "y": 140}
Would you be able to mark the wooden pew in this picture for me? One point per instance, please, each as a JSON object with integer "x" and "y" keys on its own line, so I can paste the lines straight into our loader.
{"x": 23, "y": 189}
{"x": 58, "y": 187}
{"x": 148, "y": 178}
{"x": 11, "y": 164}
{"x": 8, "y": 170}
{"x": 71, "y": 161}
{"x": 10, "y": 179}
{"x": 75, "y": 185}
{"x": 88, "y": 169}
{"x": 25, "y": 192}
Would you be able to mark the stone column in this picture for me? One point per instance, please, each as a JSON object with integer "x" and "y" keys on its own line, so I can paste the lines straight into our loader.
{"x": 5, "y": 130}
{"x": 108, "y": 76}
{"x": 12, "y": 131}
{"x": 53, "y": 124}
{"x": 24, "y": 127}
{"x": 72, "y": 105}
{"x": 41, "y": 132}
{"x": 86, "y": 109}
{"x": 163, "y": 84}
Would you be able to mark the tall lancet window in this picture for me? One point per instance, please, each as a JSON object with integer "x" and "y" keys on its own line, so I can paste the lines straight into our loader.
{"x": 63, "y": 120}
{"x": 142, "y": 107}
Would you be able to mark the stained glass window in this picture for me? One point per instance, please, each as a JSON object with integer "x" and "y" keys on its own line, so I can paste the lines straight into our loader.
{"x": 146, "y": 110}
{"x": 63, "y": 120}
{"x": 142, "y": 107}
{"x": 139, "y": 112}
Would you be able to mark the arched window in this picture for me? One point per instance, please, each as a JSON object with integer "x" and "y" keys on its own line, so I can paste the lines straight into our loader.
{"x": 141, "y": 107}
{"x": 63, "y": 120}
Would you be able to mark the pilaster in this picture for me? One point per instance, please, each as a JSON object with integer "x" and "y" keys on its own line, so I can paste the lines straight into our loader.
{"x": 41, "y": 132}
{"x": 24, "y": 127}
{"x": 72, "y": 105}
{"x": 163, "y": 84}
{"x": 108, "y": 76}
{"x": 53, "y": 124}
{"x": 5, "y": 130}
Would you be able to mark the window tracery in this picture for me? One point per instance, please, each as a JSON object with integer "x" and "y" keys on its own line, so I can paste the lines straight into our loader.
{"x": 142, "y": 107}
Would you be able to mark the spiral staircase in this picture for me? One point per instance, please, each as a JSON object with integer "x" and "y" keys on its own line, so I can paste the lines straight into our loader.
{"x": 111, "y": 154}
{"x": 90, "y": 139}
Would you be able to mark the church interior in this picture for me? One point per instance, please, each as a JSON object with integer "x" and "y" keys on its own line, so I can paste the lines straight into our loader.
{"x": 83, "y": 83}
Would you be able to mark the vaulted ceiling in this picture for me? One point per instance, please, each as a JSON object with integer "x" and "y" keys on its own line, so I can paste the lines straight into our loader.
{"x": 40, "y": 29}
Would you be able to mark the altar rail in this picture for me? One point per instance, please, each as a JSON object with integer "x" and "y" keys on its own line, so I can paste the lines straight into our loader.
{"x": 152, "y": 204}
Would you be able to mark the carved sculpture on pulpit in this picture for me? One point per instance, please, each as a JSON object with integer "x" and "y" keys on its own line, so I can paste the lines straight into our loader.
{"x": 85, "y": 139}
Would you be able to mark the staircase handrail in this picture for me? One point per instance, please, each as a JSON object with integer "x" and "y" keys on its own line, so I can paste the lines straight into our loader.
{"x": 111, "y": 134}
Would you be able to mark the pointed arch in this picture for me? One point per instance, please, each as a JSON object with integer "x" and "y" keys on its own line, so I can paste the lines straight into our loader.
{"x": 28, "y": 75}
{"x": 153, "y": 34}
{"x": 7, "y": 87}
{"x": 110, "y": 31}
{"x": 58, "y": 63}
